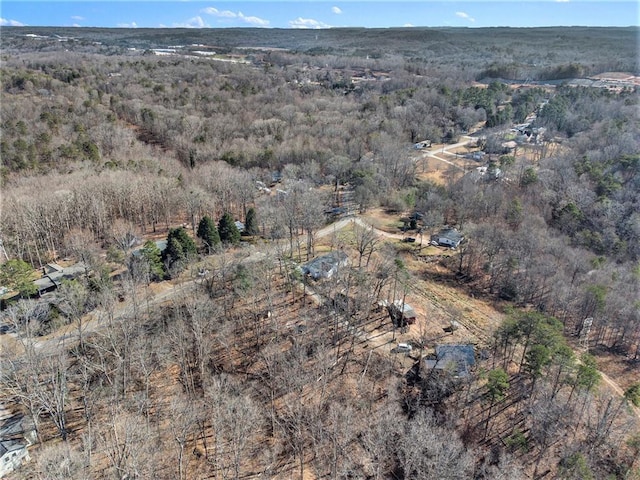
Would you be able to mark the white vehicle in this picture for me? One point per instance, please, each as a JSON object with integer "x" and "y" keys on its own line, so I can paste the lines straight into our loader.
{"x": 402, "y": 348}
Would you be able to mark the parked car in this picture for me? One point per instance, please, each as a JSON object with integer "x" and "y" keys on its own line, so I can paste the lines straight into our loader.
{"x": 402, "y": 348}
{"x": 409, "y": 239}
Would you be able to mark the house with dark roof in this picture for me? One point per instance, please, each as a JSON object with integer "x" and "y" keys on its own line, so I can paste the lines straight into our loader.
{"x": 448, "y": 237}
{"x": 53, "y": 275}
{"x": 457, "y": 360}
{"x": 15, "y": 436}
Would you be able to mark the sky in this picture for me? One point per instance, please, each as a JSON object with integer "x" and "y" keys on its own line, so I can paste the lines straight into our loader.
{"x": 319, "y": 14}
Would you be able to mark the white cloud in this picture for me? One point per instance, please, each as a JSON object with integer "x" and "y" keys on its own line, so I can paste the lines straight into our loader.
{"x": 408, "y": 25}
{"x": 195, "y": 22}
{"x": 76, "y": 17}
{"x": 260, "y": 22}
{"x": 76, "y": 25}
{"x": 336, "y": 10}
{"x": 307, "y": 23}
{"x": 10, "y": 23}
{"x": 466, "y": 16}
{"x": 127, "y": 25}
{"x": 226, "y": 14}
{"x": 219, "y": 13}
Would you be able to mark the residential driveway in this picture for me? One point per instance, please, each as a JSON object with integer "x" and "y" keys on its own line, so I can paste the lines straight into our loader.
{"x": 339, "y": 225}
{"x": 446, "y": 149}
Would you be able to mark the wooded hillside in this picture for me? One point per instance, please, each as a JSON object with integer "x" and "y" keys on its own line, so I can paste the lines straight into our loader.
{"x": 215, "y": 357}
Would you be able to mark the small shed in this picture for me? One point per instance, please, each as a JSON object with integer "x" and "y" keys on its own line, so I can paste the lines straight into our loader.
{"x": 401, "y": 314}
{"x": 458, "y": 360}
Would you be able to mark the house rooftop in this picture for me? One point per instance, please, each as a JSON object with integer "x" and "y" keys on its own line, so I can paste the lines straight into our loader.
{"x": 54, "y": 277}
{"x": 11, "y": 426}
{"x": 10, "y": 446}
{"x": 324, "y": 265}
{"x": 161, "y": 244}
{"x": 457, "y": 359}
{"x": 452, "y": 234}
{"x": 407, "y": 310}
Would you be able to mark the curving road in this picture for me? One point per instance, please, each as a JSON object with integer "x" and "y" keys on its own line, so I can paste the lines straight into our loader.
{"x": 340, "y": 224}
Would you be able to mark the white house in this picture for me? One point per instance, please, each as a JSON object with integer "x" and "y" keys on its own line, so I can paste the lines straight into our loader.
{"x": 448, "y": 237}
{"x": 12, "y": 454}
{"x": 16, "y": 434}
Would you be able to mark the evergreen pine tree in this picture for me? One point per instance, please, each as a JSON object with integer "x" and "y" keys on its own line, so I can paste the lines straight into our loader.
{"x": 208, "y": 233}
{"x": 187, "y": 243}
{"x": 18, "y": 275}
{"x": 229, "y": 233}
{"x": 180, "y": 247}
{"x": 152, "y": 255}
{"x": 251, "y": 222}
{"x": 174, "y": 252}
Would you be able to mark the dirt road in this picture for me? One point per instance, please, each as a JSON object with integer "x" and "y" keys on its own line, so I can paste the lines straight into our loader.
{"x": 354, "y": 219}
{"x": 619, "y": 391}
{"x": 446, "y": 149}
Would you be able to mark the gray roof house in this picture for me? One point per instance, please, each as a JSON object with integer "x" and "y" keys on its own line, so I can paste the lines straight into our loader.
{"x": 448, "y": 237}
{"x": 455, "y": 359}
{"x": 52, "y": 268}
{"x": 15, "y": 436}
{"x": 325, "y": 266}
{"x": 12, "y": 454}
{"x": 53, "y": 276}
{"x": 161, "y": 244}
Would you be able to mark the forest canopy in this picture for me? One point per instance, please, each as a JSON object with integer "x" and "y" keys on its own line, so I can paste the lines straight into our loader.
{"x": 194, "y": 190}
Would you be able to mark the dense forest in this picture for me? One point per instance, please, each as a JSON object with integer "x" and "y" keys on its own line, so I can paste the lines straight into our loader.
{"x": 113, "y": 139}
